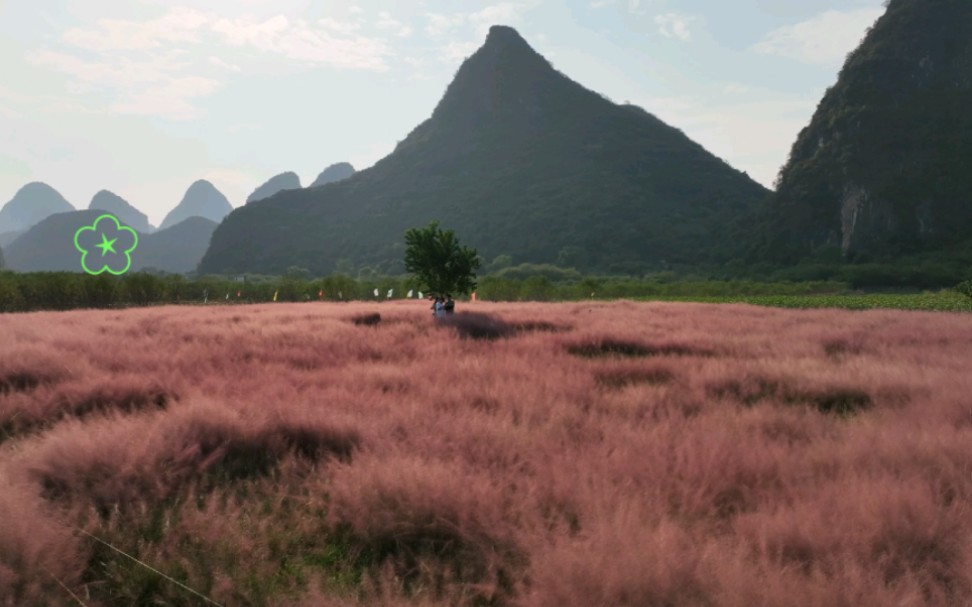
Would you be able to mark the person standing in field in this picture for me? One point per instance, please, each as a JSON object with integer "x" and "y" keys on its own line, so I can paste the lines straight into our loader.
{"x": 449, "y": 306}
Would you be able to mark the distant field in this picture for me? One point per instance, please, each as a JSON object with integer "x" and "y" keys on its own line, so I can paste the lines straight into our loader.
{"x": 583, "y": 453}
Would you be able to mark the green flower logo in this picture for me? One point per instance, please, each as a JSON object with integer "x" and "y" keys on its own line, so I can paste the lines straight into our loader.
{"x": 106, "y": 246}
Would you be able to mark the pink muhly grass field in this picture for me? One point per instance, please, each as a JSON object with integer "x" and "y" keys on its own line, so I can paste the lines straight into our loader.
{"x": 516, "y": 454}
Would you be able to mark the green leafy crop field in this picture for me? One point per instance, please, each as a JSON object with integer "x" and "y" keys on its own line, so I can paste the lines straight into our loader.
{"x": 942, "y": 301}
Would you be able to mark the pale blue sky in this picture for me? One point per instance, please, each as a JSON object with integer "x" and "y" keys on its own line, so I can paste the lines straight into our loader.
{"x": 142, "y": 97}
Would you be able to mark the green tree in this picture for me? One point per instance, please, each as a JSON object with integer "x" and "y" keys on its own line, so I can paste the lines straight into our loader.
{"x": 435, "y": 258}
{"x": 965, "y": 288}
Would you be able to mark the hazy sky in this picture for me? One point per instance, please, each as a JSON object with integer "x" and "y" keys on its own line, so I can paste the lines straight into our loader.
{"x": 142, "y": 97}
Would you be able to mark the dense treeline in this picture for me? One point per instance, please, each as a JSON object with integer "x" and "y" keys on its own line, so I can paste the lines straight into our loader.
{"x": 502, "y": 282}
{"x": 65, "y": 290}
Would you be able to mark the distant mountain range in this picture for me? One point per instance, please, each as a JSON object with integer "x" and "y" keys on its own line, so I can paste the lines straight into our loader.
{"x": 519, "y": 160}
{"x": 38, "y": 224}
{"x": 45, "y": 223}
{"x": 31, "y": 204}
{"x": 49, "y": 245}
{"x": 522, "y": 161}
{"x": 202, "y": 199}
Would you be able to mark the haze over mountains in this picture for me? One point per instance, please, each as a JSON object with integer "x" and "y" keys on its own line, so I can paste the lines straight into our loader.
{"x": 120, "y": 208}
{"x": 335, "y": 172}
{"x": 283, "y": 181}
{"x": 519, "y": 160}
{"x": 30, "y": 204}
{"x": 202, "y": 199}
{"x": 44, "y": 225}
{"x": 49, "y": 245}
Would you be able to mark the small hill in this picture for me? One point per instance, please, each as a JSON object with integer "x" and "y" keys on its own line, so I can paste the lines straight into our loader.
{"x": 283, "y": 181}
{"x": 885, "y": 166}
{"x": 31, "y": 204}
{"x": 518, "y": 159}
{"x": 49, "y": 245}
{"x": 202, "y": 199}
{"x": 335, "y": 172}
{"x": 120, "y": 208}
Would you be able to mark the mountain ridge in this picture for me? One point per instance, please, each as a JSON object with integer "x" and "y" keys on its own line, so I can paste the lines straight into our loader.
{"x": 519, "y": 159}
{"x": 201, "y": 199}
{"x": 49, "y": 245}
{"x": 284, "y": 181}
{"x": 334, "y": 172}
{"x": 119, "y": 207}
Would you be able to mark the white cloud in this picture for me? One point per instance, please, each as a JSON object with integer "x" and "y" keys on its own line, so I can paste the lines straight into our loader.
{"x": 439, "y": 24}
{"x": 673, "y": 25}
{"x": 735, "y": 88}
{"x": 149, "y": 86}
{"x": 179, "y": 25}
{"x": 330, "y": 44}
{"x": 387, "y": 22}
{"x": 243, "y": 127}
{"x": 823, "y": 40}
{"x": 635, "y": 7}
{"x": 217, "y": 62}
{"x": 503, "y": 13}
{"x": 601, "y": 3}
{"x": 161, "y": 66}
{"x": 346, "y": 28}
{"x": 171, "y": 97}
{"x": 457, "y": 51}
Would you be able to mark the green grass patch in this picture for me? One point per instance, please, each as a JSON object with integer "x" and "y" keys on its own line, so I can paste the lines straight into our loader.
{"x": 941, "y": 301}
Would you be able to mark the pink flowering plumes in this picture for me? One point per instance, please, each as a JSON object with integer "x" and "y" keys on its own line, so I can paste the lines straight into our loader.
{"x": 520, "y": 454}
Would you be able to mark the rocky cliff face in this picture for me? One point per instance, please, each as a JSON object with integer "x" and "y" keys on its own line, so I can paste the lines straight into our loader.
{"x": 885, "y": 165}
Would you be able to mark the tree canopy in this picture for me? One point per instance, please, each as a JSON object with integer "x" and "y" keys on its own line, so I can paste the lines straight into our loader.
{"x": 439, "y": 263}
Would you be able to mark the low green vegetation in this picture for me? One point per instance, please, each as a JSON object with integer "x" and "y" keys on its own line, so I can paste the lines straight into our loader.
{"x": 941, "y": 301}
{"x": 21, "y": 292}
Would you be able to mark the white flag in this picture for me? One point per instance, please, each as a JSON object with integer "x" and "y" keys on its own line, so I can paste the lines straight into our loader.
{"x": 390, "y": 293}
{"x": 409, "y": 294}
{"x": 420, "y": 295}
{"x": 376, "y": 292}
